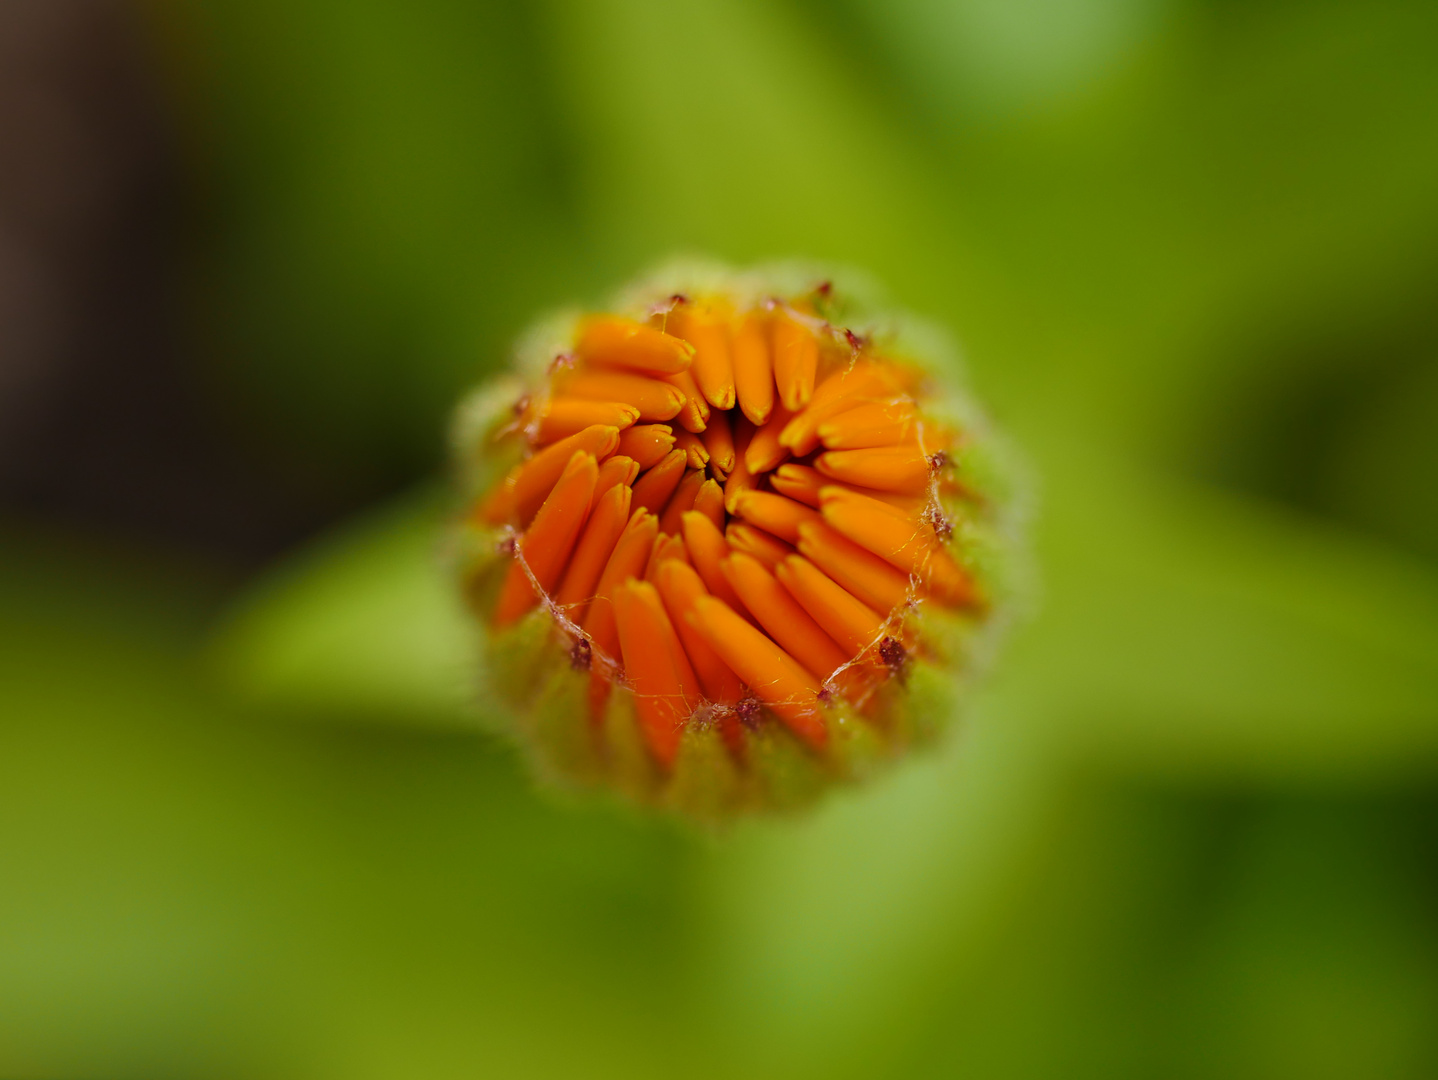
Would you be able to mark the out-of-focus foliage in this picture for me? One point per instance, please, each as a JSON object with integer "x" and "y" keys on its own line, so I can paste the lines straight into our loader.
{"x": 1190, "y": 829}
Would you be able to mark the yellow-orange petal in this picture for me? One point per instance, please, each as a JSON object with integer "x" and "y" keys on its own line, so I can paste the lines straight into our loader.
{"x": 707, "y": 549}
{"x": 768, "y": 549}
{"x": 681, "y": 502}
{"x": 753, "y": 368}
{"x": 872, "y": 502}
{"x": 869, "y": 578}
{"x": 774, "y": 513}
{"x": 796, "y": 361}
{"x": 907, "y": 543}
{"x": 596, "y": 545}
{"x": 803, "y": 483}
{"x": 775, "y": 677}
{"x": 537, "y": 476}
{"x": 841, "y": 391}
{"x": 654, "y": 488}
{"x": 709, "y": 501}
{"x": 665, "y": 547}
{"x": 694, "y": 415}
{"x": 614, "y": 341}
{"x": 782, "y": 617}
{"x": 546, "y": 544}
{"x": 719, "y": 443}
{"x": 741, "y": 479}
{"x": 889, "y": 468}
{"x": 799, "y": 482}
{"x": 696, "y": 456}
{"x": 679, "y": 586}
{"x": 902, "y": 540}
{"x": 852, "y": 623}
{"x": 874, "y": 423}
{"x": 648, "y": 596}
{"x": 923, "y": 557}
{"x": 613, "y": 470}
{"x": 660, "y": 698}
{"x": 627, "y": 560}
{"x": 568, "y": 416}
{"x": 648, "y": 444}
{"x": 713, "y": 368}
{"x": 764, "y": 450}
{"x": 654, "y": 398}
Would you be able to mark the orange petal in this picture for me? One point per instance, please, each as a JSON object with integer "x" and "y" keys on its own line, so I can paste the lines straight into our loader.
{"x": 774, "y": 513}
{"x": 682, "y": 501}
{"x": 615, "y": 469}
{"x": 753, "y": 368}
{"x": 875, "y": 423}
{"x": 776, "y": 678}
{"x": 546, "y": 544}
{"x": 660, "y": 698}
{"x": 654, "y": 398}
{"x": 540, "y": 473}
{"x": 709, "y": 501}
{"x": 769, "y": 550}
{"x": 695, "y": 413}
{"x": 741, "y": 479}
{"x": 647, "y": 444}
{"x": 889, "y": 468}
{"x": 871, "y": 579}
{"x": 707, "y": 549}
{"x": 627, "y": 560}
{"x": 595, "y": 546}
{"x": 713, "y": 368}
{"x": 679, "y": 586}
{"x": 799, "y": 482}
{"x": 648, "y": 597}
{"x": 839, "y": 494}
{"x": 802, "y": 483}
{"x": 796, "y": 361}
{"x": 853, "y": 625}
{"x": 567, "y": 416}
{"x": 719, "y": 442}
{"x": 779, "y": 614}
{"x": 764, "y": 450}
{"x": 882, "y": 435}
{"x": 841, "y": 391}
{"x": 697, "y": 456}
{"x": 666, "y": 548}
{"x": 654, "y": 488}
{"x": 618, "y": 342}
{"x": 908, "y": 544}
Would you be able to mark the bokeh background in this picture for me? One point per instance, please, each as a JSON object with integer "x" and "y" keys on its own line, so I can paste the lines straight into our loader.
{"x": 251, "y": 823}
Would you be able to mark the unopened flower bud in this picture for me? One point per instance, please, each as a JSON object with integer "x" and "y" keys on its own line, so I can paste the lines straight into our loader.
{"x": 732, "y": 540}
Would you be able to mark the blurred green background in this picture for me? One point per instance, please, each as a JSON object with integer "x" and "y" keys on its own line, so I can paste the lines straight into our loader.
{"x": 251, "y": 823}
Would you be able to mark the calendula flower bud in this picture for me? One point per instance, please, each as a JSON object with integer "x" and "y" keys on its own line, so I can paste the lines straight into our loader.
{"x": 732, "y": 540}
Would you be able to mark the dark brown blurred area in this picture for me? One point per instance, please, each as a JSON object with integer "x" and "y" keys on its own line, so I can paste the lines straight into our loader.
{"x": 102, "y": 423}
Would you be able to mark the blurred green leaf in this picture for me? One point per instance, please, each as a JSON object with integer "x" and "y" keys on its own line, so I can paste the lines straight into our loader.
{"x": 1197, "y": 630}
{"x": 365, "y": 624}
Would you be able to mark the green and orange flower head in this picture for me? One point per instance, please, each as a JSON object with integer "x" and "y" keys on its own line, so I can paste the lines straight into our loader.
{"x": 733, "y": 539}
